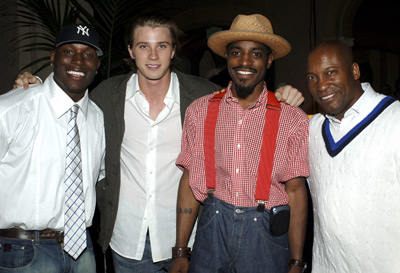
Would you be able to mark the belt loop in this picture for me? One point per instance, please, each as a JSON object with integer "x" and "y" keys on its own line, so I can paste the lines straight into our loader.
{"x": 37, "y": 236}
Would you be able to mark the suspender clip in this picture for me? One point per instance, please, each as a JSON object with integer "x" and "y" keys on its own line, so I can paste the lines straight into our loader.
{"x": 261, "y": 206}
{"x": 210, "y": 193}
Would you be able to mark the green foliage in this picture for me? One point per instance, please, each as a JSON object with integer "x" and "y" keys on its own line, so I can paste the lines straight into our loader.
{"x": 108, "y": 17}
{"x": 47, "y": 16}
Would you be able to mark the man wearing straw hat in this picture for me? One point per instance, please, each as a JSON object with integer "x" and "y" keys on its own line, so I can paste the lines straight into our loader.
{"x": 244, "y": 156}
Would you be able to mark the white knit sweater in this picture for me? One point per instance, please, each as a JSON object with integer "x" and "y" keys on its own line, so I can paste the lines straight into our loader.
{"x": 356, "y": 194}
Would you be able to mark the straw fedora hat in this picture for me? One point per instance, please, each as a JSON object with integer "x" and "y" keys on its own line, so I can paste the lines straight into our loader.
{"x": 255, "y": 28}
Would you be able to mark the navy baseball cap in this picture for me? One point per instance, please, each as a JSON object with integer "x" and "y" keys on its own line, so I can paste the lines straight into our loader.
{"x": 79, "y": 33}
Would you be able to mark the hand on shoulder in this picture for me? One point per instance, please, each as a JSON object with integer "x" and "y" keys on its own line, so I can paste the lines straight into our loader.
{"x": 24, "y": 79}
{"x": 289, "y": 95}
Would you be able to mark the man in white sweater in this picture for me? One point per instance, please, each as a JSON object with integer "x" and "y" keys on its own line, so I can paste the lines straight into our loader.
{"x": 354, "y": 157}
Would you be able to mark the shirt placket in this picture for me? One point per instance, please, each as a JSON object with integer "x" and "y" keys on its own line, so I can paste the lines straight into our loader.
{"x": 238, "y": 156}
{"x": 151, "y": 171}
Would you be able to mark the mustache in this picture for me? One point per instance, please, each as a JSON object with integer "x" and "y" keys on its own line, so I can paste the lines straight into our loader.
{"x": 245, "y": 67}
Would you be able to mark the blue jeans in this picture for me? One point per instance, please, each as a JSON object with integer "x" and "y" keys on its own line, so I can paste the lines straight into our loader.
{"x": 145, "y": 265}
{"x": 43, "y": 256}
{"x": 237, "y": 239}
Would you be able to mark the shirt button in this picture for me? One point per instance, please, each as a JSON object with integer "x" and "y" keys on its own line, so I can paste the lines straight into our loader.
{"x": 238, "y": 146}
{"x": 237, "y": 194}
{"x": 237, "y": 170}
{"x": 240, "y": 121}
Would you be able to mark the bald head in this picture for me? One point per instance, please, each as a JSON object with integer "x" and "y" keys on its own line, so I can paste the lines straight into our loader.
{"x": 344, "y": 51}
{"x": 333, "y": 77}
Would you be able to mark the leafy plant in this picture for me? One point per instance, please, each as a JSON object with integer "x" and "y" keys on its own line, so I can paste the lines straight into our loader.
{"x": 48, "y": 16}
{"x": 108, "y": 17}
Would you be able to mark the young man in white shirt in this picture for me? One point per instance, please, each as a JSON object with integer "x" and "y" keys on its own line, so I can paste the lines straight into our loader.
{"x": 52, "y": 146}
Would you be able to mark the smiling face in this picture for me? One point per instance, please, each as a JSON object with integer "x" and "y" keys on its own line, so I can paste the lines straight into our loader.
{"x": 333, "y": 78}
{"x": 75, "y": 66}
{"x": 248, "y": 62}
{"x": 152, "y": 51}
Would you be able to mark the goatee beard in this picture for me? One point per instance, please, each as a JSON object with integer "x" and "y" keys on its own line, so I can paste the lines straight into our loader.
{"x": 244, "y": 91}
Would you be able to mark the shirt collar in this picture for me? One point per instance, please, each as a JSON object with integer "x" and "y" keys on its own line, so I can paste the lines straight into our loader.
{"x": 60, "y": 101}
{"x": 172, "y": 96}
{"x": 357, "y": 108}
{"x": 132, "y": 86}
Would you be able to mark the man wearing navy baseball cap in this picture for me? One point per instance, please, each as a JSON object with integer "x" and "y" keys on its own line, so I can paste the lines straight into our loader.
{"x": 79, "y": 33}
{"x": 52, "y": 148}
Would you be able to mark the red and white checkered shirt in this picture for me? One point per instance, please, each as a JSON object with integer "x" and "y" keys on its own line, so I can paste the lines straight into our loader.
{"x": 238, "y": 139}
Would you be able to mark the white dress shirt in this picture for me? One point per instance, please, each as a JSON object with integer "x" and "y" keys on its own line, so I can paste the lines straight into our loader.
{"x": 33, "y": 135}
{"x": 149, "y": 177}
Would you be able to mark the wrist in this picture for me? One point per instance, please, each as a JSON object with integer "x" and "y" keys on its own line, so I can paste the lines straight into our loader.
{"x": 37, "y": 77}
{"x": 181, "y": 252}
{"x": 298, "y": 263}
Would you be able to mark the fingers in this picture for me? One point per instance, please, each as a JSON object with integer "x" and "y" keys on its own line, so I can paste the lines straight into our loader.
{"x": 16, "y": 85}
{"x": 24, "y": 79}
{"x": 278, "y": 94}
{"x": 294, "y": 97}
{"x": 289, "y": 95}
{"x": 18, "y": 82}
{"x": 217, "y": 92}
{"x": 298, "y": 100}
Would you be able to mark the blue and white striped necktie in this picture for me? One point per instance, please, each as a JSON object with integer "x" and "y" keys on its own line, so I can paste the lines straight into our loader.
{"x": 75, "y": 224}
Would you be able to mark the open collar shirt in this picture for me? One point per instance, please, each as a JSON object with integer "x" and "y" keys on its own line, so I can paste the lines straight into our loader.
{"x": 238, "y": 139}
{"x": 355, "y": 191}
{"x": 358, "y": 111}
{"x": 33, "y": 138}
{"x": 149, "y": 177}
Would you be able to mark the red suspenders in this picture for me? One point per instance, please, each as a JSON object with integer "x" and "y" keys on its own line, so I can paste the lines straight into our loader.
{"x": 209, "y": 139}
{"x": 270, "y": 132}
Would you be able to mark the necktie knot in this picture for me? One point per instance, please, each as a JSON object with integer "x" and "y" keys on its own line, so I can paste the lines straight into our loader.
{"x": 74, "y": 111}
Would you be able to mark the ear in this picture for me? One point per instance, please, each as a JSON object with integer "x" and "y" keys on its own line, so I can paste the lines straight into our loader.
{"x": 270, "y": 60}
{"x": 98, "y": 63}
{"x": 53, "y": 52}
{"x": 355, "y": 69}
{"x": 131, "y": 52}
{"x": 173, "y": 52}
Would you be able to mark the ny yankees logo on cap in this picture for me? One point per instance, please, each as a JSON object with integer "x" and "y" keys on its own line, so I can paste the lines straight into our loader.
{"x": 79, "y": 33}
{"x": 83, "y": 29}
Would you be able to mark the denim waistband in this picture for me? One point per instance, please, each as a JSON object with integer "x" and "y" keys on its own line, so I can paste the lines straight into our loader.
{"x": 232, "y": 209}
